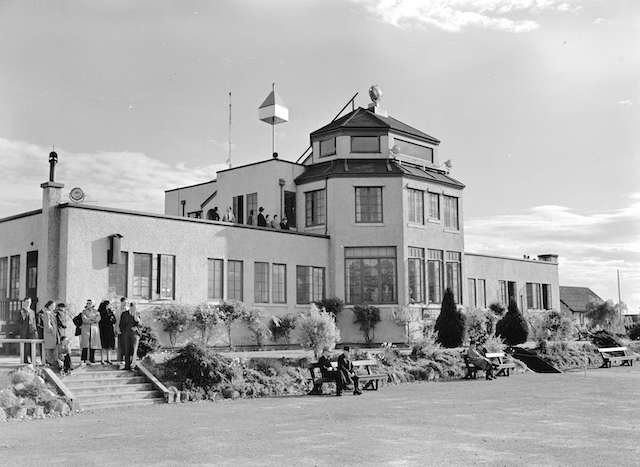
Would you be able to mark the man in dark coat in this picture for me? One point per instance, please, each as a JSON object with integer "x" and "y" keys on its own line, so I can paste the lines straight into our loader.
{"x": 326, "y": 371}
{"x": 480, "y": 361}
{"x": 262, "y": 222}
{"x": 346, "y": 373}
{"x": 128, "y": 326}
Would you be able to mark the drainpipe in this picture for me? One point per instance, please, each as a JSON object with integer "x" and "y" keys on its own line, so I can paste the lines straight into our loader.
{"x": 326, "y": 205}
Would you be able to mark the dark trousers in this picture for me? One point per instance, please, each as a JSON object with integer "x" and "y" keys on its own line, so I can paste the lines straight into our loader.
{"x": 92, "y": 355}
{"x": 128, "y": 345}
{"x": 343, "y": 378}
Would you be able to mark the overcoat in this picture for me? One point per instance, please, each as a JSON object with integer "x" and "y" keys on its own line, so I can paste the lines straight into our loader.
{"x": 90, "y": 336}
{"x": 49, "y": 330}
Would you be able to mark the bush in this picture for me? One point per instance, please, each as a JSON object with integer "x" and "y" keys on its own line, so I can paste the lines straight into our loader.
{"x": 316, "y": 330}
{"x": 197, "y": 365}
{"x": 174, "y": 318}
{"x": 281, "y": 327}
{"x": 205, "y": 319}
{"x": 367, "y": 316}
{"x": 256, "y": 322}
{"x": 229, "y": 313}
{"x": 604, "y": 338}
{"x": 478, "y": 325}
{"x": 497, "y": 309}
{"x": 331, "y": 305}
{"x": 558, "y": 325}
{"x": 450, "y": 323}
{"x": 513, "y": 327}
{"x": 494, "y": 344}
{"x": 634, "y": 332}
{"x": 148, "y": 341}
{"x": 604, "y": 315}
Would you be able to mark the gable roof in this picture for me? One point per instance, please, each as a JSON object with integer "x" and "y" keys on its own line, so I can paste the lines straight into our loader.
{"x": 577, "y": 298}
{"x": 365, "y": 119}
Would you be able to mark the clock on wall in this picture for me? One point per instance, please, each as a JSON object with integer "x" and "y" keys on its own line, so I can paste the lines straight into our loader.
{"x": 76, "y": 195}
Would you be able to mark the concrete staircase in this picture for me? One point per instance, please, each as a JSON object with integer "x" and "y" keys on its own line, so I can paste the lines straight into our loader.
{"x": 106, "y": 386}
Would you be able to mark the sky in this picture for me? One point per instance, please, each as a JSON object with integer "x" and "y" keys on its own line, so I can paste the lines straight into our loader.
{"x": 535, "y": 101}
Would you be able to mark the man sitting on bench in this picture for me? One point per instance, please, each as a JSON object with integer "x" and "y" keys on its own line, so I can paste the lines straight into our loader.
{"x": 480, "y": 361}
{"x": 346, "y": 374}
{"x": 326, "y": 371}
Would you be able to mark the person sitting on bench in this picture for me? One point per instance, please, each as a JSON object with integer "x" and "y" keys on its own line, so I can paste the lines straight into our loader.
{"x": 480, "y": 361}
{"x": 346, "y": 373}
{"x": 326, "y": 371}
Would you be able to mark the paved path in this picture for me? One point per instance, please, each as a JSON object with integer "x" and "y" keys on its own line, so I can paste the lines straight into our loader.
{"x": 531, "y": 419}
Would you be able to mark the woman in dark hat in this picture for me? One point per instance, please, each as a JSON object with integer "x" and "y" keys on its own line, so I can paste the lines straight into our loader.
{"x": 107, "y": 334}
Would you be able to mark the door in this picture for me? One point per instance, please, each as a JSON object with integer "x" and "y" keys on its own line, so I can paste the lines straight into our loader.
{"x": 32, "y": 278}
{"x": 290, "y": 207}
{"x": 511, "y": 291}
{"x": 238, "y": 208}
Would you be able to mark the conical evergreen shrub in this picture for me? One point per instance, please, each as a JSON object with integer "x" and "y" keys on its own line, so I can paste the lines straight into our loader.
{"x": 513, "y": 328}
{"x": 450, "y": 323}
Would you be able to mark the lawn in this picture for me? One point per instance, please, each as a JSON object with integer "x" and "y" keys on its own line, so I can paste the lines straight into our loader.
{"x": 540, "y": 419}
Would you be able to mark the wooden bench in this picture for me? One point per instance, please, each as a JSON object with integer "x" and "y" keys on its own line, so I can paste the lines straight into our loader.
{"x": 615, "y": 354}
{"x": 502, "y": 367}
{"x": 368, "y": 377}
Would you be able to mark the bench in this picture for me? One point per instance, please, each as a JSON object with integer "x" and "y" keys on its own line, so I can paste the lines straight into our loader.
{"x": 365, "y": 369}
{"x": 22, "y": 343}
{"x": 502, "y": 367}
{"x": 615, "y": 354}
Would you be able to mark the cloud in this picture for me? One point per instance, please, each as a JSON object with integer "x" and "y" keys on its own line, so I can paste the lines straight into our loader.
{"x": 625, "y": 102}
{"x": 128, "y": 180}
{"x": 456, "y": 15}
{"x": 591, "y": 246}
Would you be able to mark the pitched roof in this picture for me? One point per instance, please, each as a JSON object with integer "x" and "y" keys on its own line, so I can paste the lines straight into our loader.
{"x": 372, "y": 168}
{"x": 577, "y": 298}
{"x": 362, "y": 118}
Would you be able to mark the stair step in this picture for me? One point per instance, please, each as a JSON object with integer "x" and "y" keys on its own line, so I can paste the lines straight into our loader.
{"x": 84, "y": 373}
{"x": 116, "y": 396}
{"x": 121, "y": 403}
{"x": 79, "y": 381}
{"x": 110, "y": 388}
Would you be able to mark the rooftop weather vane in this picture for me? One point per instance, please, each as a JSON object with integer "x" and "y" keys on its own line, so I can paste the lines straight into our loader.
{"x": 273, "y": 112}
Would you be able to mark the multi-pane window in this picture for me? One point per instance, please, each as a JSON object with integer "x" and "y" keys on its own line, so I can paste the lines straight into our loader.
{"x": 14, "y": 277}
{"x": 279, "y": 283}
{"x": 4, "y": 273}
{"x": 369, "y": 204}
{"x": 118, "y": 276}
{"x": 166, "y": 275}
{"x": 434, "y": 273}
{"x": 234, "y": 280}
{"x": 538, "y": 296}
{"x": 416, "y": 206}
{"x": 471, "y": 293}
{"x": 215, "y": 279}
{"x": 416, "y": 275}
{"x": 451, "y": 220}
{"x": 434, "y": 206}
{"x": 142, "y": 276}
{"x": 482, "y": 293}
{"x": 365, "y": 144}
{"x": 314, "y": 202}
{"x": 453, "y": 271}
{"x": 503, "y": 295}
{"x": 414, "y": 150}
{"x": 370, "y": 274}
{"x": 327, "y": 147}
{"x": 261, "y": 282}
{"x": 546, "y": 296}
{"x": 252, "y": 205}
{"x": 309, "y": 284}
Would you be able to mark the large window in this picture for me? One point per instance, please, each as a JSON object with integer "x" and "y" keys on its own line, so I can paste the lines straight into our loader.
{"x": 434, "y": 273}
{"x": 309, "y": 284}
{"x": 416, "y": 206}
{"x": 453, "y": 268}
{"x": 434, "y": 206}
{"x": 471, "y": 293}
{"x": 414, "y": 150}
{"x": 215, "y": 279}
{"x": 4, "y": 273}
{"x": 14, "y": 277}
{"x": 503, "y": 295}
{"x": 370, "y": 274}
{"x": 252, "y": 205}
{"x": 451, "y": 220}
{"x": 142, "y": 276}
{"x": 279, "y": 283}
{"x": 118, "y": 276}
{"x": 166, "y": 276}
{"x": 314, "y": 207}
{"x": 365, "y": 144}
{"x": 482, "y": 293}
{"x": 416, "y": 275}
{"x": 261, "y": 282}
{"x": 538, "y": 296}
{"x": 369, "y": 204}
{"x": 327, "y": 147}
{"x": 234, "y": 280}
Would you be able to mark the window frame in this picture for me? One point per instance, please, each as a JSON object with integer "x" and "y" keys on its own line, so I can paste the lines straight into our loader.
{"x": 311, "y": 273}
{"x": 416, "y": 195}
{"x": 4, "y": 277}
{"x": 276, "y": 289}
{"x": 437, "y": 196}
{"x": 448, "y": 215}
{"x": 136, "y": 288}
{"x": 429, "y": 149}
{"x": 434, "y": 258}
{"x": 457, "y": 291}
{"x": 314, "y": 214}
{"x": 361, "y": 258}
{"x": 472, "y": 292}
{"x": 162, "y": 279}
{"x": 123, "y": 263}
{"x": 261, "y": 288}
{"x": 329, "y": 154}
{"x": 212, "y": 279}
{"x": 234, "y": 283}
{"x": 364, "y": 136}
{"x": 417, "y": 254}
{"x": 359, "y": 204}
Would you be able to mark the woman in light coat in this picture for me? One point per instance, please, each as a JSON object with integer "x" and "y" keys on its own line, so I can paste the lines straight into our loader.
{"x": 49, "y": 333}
{"x": 90, "y": 336}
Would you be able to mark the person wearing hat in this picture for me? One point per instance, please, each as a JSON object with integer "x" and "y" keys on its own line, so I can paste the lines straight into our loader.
{"x": 480, "y": 361}
{"x": 346, "y": 373}
{"x": 262, "y": 222}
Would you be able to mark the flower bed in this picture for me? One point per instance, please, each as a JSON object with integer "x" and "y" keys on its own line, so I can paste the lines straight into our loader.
{"x": 567, "y": 355}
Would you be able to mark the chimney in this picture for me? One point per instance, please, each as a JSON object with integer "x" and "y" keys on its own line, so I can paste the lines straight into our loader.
{"x": 549, "y": 258}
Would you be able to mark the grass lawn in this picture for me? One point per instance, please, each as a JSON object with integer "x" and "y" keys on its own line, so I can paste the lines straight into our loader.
{"x": 539, "y": 419}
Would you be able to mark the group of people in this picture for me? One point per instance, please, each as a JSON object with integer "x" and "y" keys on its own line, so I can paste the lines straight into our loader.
{"x": 261, "y": 220}
{"x": 106, "y": 328}
{"x": 344, "y": 374}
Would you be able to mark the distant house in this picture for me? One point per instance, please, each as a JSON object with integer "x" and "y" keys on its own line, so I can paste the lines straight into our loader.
{"x": 575, "y": 300}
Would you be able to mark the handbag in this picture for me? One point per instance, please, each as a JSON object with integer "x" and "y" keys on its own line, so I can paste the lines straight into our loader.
{"x": 78, "y": 322}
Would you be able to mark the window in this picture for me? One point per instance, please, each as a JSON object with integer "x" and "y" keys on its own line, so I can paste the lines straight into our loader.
{"x": 546, "y": 296}
{"x": 534, "y": 296}
{"x": 279, "y": 283}
{"x": 416, "y": 206}
{"x": 261, "y": 282}
{"x": 14, "y": 277}
{"x": 369, "y": 204}
{"x": 166, "y": 275}
{"x": 434, "y": 206}
{"x": 4, "y": 272}
{"x": 309, "y": 284}
{"x": 238, "y": 208}
{"x": 503, "y": 295}
{"x": 434, "y": 273}
{"x": 416, "y": 275}
{"x": 234, "y": 280}
{"x": 414, "y": 150}
{"x": 142, "y": 275}
{"x": 471, "y": 292}
{"x": 215, "y": 276}
{"x": 195, "y": 214}
{"x": 365, "y": 144}
{"x": 453, "y": 274}
{"x": 482, "y": 293}
{"x": 370, "y": 274}
{"x": 327, "y": 147}
{"x": 252, "y": 205}
{"x": 118, "y": 276}
{"x": 314, "y": 207}
{"x": 451, "y": 213}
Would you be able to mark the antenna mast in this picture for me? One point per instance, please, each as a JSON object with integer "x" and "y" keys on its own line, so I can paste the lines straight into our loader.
{"x": 229, "y": 136}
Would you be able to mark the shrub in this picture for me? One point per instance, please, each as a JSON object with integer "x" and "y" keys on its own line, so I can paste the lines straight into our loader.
{"x": 205, "y": 319}
{"x": 634, "y": 332}
{"x": 558, "y": 325}
{"x": 604, "y": 315}
{"x": 197, "y": 365}
{"x": 316, "y": 330}
{"x": 174, "y": 318}
{"x": 367, "y": 316}
{"x": 331, "y": 305}
{"x": 148, "y": 341}
{"x": 494, "y": 344}
{"x": 281, "y": 327}
{"x": 255, "y": 319}
{"x": 497, "y": 309}
{"x": 229, "y": 313}
{"x": 513, "y": 327}
{"x": 476, "y": 324}
{"x": 450, "y": 323}
{"x": 604, "y": 338}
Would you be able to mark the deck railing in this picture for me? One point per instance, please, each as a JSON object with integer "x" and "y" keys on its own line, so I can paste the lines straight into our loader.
{"x": 9, "y": 316}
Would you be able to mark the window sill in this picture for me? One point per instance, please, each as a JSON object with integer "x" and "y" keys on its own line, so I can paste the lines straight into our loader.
{"x": 271, "y": 304}
{"x": 452, "y": 231}
{"x": 368, "y": 224}
{"x": 415, "y": 225}
{"x": 434, "y": 221}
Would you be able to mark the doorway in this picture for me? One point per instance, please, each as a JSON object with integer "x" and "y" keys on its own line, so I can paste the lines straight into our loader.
{"x": 32, "y": 278}
{"x": 290, "y": 207}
